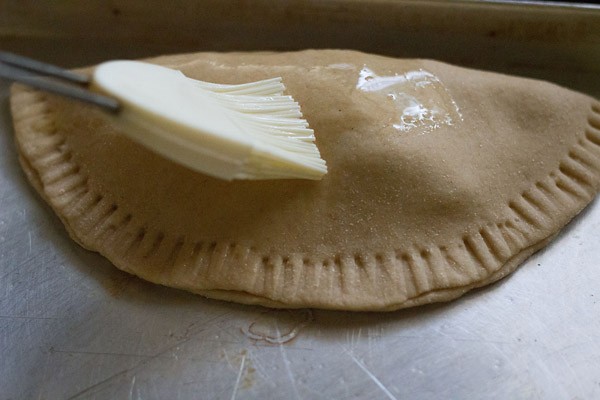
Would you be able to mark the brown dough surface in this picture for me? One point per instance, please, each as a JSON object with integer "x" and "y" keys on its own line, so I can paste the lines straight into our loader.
{"x": 402, "y": 218}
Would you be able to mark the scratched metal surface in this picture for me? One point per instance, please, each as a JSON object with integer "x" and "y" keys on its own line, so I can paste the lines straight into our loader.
{"x": 74, "y": 327}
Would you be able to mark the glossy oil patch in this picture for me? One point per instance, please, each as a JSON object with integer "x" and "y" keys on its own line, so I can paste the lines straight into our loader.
{"x": 420, "y": 98}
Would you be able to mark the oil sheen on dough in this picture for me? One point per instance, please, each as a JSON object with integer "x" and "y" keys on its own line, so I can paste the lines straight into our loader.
{"x": 421, "y": 99}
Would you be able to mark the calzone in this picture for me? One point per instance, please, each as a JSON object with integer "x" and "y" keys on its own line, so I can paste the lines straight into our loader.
{"x": 440, "y": 179}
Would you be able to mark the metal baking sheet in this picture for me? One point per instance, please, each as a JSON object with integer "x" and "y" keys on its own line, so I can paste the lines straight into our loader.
{"x": 74, "y": 327}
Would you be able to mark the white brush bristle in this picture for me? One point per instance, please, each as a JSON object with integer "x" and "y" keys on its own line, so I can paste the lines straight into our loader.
{"x": 284, "y": 143}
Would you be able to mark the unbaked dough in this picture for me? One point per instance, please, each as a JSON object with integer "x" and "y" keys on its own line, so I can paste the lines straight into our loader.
{"x": 441, "y": 179}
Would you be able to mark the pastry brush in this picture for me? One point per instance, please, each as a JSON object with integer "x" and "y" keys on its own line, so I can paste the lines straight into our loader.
{"x": 243, "y": 131}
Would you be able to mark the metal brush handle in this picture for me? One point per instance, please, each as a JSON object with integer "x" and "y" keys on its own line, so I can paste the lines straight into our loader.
{"x": 33, "y": 73}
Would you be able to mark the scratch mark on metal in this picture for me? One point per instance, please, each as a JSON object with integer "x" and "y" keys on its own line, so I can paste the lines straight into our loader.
{"x": 44, "y": 376}
{"x": 465, "y": 340}
{"x": 354, "y": 337}
{"x": 575, "y": 376}
{"x": 131, "y": 388}
{"x": 103, "y": 353}
{"x": 145, "y": 361}
{"x": 362, "y": 366}
{"x": 29, "y": 235}
{"x": 279, "y": 339}
{"x": 516, "y": 368}
{"x": 27, "y": 317}
{"x": 227, "y": 331}
{"x": 99, "y": 384}
{"x": 239, "y": 378}
{"x": 227, "y": 359}
{"x": 261, "y": 370}
{"x": 287, "y": 364}
{"x": 453, "y": 340}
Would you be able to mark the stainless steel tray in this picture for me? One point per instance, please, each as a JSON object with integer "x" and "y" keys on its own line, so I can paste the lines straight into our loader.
{"x": 74, "y": 327}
